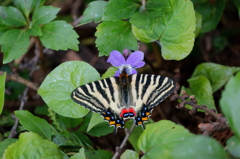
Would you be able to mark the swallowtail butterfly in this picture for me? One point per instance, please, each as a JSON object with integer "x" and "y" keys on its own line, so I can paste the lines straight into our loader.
{"x": 123, "y": 97}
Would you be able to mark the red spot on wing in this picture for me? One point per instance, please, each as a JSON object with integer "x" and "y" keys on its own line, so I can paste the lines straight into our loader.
{"x": 123, "y": 112}
{"x": 131, "y": 110}
{"x": 126, "y": 111}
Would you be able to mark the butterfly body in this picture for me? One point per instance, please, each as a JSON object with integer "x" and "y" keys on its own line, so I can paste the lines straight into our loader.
{"x": 123, "y": 97}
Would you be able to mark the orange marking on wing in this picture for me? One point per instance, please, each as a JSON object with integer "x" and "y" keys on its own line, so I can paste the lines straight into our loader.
{"x": 144, "y": 118}
{"x": 107, "y": 118}
{"x": 148, "y": 113}
{"x": 118, "y": 125}
{"x": 112, "y": 122}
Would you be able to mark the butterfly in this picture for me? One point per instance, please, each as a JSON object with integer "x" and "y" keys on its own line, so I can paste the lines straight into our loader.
{"x": 123, "y": 97}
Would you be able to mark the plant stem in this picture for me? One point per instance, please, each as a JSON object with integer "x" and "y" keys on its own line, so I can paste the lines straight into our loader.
{"x": 119, "y": 149}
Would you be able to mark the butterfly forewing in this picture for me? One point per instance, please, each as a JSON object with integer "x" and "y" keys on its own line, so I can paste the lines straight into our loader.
{"x": 96, "y": 96}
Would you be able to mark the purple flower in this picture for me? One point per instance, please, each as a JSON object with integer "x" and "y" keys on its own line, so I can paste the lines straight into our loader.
{"x": 134, "y": 60}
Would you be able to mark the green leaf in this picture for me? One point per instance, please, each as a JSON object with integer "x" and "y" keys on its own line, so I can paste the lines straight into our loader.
{"x": 85, "y": 122}
{"x": 26, "y": 6}
{"x": 101, "y": 129}
{"x": 201, "y": 88}
{"x": 233, "y": 146}
{"x": 173, "y": 22}
{"x": 81, "y": 139}
{"x": 110, "y": 72}
{"x": 80, "y": 155}
{"x": 144, "y": 35}
{"x": 116, "y": 10}
{"x": 211, "y": 12}
{"x": 59, "y": 35}
{"x": 41, "y": 110}
{"x": 70, "y": 122}
{"x": 3, "y": 28}
{"x": 31, "y": 145}
{"x": 72, "y": 139}
{"x": 62, "y": 138}
{"x": 14, "y": 43}
{"x": 229, "y": 103}
{"x": 94, "y": 12}
{"x": 217, "y": 74}
{"x": 160, "y": 138}
{"x": 39, "y": 3}
{"x": 219, "y": 43}
{"x": 16, "y": 87}
{"x": 98, "y": 154}
{"x": 11, "y": 16}
{"x": 57, "y": 87}
{"x": 98, "y": 130}
{"x": 34, "y": 30}
{"x": 4, "y": 144}
{"x": 129, "y": 154}
{"x": 137, "y": 131}
{"x": 44, "y": 14}
{"x": 237, "y": 3}
{"x": 115, "y": 35}
{"x": 95, "y": 119}
{"x": 178, "y": 37}
{"x": 198, "y": 23}
{"x": 2, "y": 91}
{"x": 199, "y": 147}
{"x": 34, "y": 123}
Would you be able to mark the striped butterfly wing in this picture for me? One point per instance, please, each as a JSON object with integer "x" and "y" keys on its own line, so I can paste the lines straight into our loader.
{"x": 102, "y": 97}
{"x": 149, "y": 91}
{"x": 96, "y": 96}
{"x": 118, "y": 98}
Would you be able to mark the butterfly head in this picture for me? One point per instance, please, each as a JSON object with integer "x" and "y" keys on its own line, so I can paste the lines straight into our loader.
{"x": 125, "y": 70}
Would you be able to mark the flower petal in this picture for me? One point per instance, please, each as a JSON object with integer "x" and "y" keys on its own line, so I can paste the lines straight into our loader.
{"x": 116, "y": 58}
{"x": 134, "y": 71}
{"x": 117, "y": 74}
{"x": 135, "y": 59}
{"x": 126, "y": 53}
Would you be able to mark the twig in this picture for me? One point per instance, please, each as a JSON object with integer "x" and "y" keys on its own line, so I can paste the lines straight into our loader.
{"x": 206, "y": 128}
{"x": 75, "y": 9}
{"x": 210, "y": 128}
{"x": 143, "y": 4}
{"x": 24, "y": 97}
{"x": 77, "y": 21}
{"x": 32, "y": 64}
{"x": 94, "y": 60}
{"x": 38, "y": 49}
{"x": 15, "y": 77}
{"x": 119, "y": 149}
